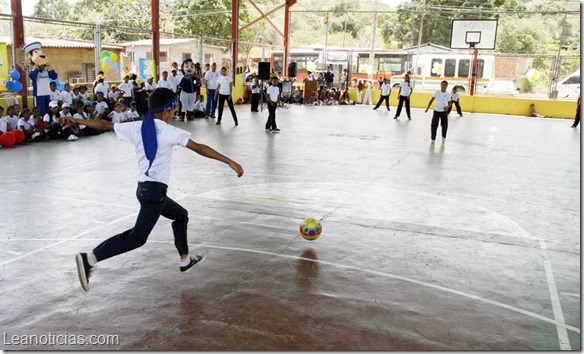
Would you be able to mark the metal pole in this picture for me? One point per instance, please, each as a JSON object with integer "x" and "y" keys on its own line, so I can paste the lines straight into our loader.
{"x": 155, "y": 5}
{"x": 345, "y": 32}
{"x": 97, "y": 52}
{"x": 201, "y": 50}
{"x": 473, "y": 77}
{"x": 372, "y": 55}
{"x": 419, "y": 44}
{"x": 325, "y": 56}
{"x": 18, "y": 42}
{"x": 234, "y": 34}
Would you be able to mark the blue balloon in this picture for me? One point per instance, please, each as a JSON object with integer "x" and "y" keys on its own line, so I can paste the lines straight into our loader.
{"x": 15, "y": 75}
{"x": 10, "y": 85}
{"x": 17, "y": 86}
{"x": 108, "y": 61}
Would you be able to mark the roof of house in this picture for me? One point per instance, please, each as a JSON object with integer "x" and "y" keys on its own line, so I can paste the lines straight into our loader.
{"x": 61, "y": 43}
{"x": 168, "y": 42}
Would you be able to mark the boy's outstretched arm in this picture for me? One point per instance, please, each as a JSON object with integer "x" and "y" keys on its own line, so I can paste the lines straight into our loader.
{"x": 207, "y": 151}
{"x": 429, "y": 104}
{"x": 98, "y": 124}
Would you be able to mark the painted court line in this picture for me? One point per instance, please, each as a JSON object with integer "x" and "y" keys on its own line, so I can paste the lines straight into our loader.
{"x": 76, "y": 200}
{"x": 555, "y": 298}
{"x": 558, "y": 324}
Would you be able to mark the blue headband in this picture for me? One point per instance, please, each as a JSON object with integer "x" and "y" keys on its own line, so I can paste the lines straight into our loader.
{"x": 149, "y": 131}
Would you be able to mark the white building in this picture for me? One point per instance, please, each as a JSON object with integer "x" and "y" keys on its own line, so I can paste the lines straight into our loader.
{"x": 174, "y": 50}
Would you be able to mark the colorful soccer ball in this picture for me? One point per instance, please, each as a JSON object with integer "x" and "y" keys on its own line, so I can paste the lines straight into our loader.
{"x": 310, "y": 229}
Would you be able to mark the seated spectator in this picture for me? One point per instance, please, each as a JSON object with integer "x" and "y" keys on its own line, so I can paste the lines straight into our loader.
{"x": 313, "y": 99}
{"x": 39, "y": 122}
{"x": 65, "y": 110}
{"x": 132, "y": 114}
{"x": 4, "y": 127}
{"x": 81, "y": 113}
{"x": 76, "y": 97}
{"x": 89, "y": 109}
{"x": 27, "y": 124}
{"x": 117, "y": 116}
{"x": 54, "y": 128}
{"x": 12, "y": 117}
{"x": 83, "y": 94}
{"x": 199, "y": 111}
{"x": 101, "y": 107}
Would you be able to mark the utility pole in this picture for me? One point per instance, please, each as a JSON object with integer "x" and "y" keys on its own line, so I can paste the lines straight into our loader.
{"x": 419, "y": 41}
{"x": 372, "y": 54}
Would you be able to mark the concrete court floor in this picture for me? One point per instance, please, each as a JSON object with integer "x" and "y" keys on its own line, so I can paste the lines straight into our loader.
{"x": 470, "y": 245}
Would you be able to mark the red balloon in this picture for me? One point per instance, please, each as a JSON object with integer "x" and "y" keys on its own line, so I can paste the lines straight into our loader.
{"x": 19, "y": 135}
{"x": 7, "y": 139}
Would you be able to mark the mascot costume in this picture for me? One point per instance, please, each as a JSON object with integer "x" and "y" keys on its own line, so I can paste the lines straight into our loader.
{"x": 187, "y": 88}
{"x": 40, "y": 76}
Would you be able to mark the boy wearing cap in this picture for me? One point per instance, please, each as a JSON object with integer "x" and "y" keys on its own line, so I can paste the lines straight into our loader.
{"x": 101, "y": 107}
{"x": 154, "y": 140}
{"x": 127, "y": 89}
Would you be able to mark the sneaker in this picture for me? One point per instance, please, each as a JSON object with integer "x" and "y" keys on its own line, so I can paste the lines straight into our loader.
{"x": 218, "y": 122}
{"x": 374, "y": 108}
{"x": 433, "y": 141}
{"x": 460, "y": 115}
{"x": 35, "y": 135}
{"x": 194, "y": 260}
{"x": 236, "y": 123}
{"x": 572, "y": 126}
{"x": 389, "y": 110}
{"x": 275, "y": 130}
{"x": 395, "y": 117}
{"x": 269, "y": 129}
{"x": 83, "y": 270}
{"x": 443, "y": 140}
{"x": 409, "y": 118}
{"x": 73, "y": 137}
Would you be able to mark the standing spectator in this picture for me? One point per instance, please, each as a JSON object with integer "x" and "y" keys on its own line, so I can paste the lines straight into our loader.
{"x": 443, "y": 102}
{"x": 320, "y": 80}
{"x": 255, "y": 94}
{"x": 174, "y": 79}
{"x": 127, "y": 89}
{"x": 329, "y": 77}
{"x": 577, "y": 118}
{"x": 101, "y": 86}
{"x": 55, "y": 94}
{"x": 67, "y": 96}
{"x": 385, "y": 93}
{"x": 211, "y": 80}
{"x": 149, "y": 86}
{"x": 405, "y": 91}
{"x": 367, "y": 98}
{"x": 344, "y": 81}
{"x": 165, "y": 82}
{"x": 224, "y": 91}
{"x": 454, "y": 97}
{"x": 272, "y": 94}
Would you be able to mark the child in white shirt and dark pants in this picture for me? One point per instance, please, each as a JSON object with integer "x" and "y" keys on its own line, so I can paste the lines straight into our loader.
{"x": 443, "y": 103}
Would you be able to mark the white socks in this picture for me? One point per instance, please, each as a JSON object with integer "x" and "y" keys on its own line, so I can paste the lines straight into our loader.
{"x": 91, "y": 259}
{"x": 185, "y": 261}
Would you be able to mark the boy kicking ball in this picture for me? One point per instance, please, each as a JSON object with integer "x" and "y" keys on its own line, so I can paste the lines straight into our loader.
{"x": 153, "y": 139}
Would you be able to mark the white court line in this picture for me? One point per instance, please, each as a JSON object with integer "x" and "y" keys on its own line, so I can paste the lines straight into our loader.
{"x": 398, "y": 277}
{"x": 555, "y": 298}
{"x": 76, "y": 200}
{"x": 570, "y": 294}
{"x": 14, "y": 253}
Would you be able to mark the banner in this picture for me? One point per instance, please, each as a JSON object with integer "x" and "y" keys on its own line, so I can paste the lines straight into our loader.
{"x": 4, "y": 69}
{"x": 146, "y": 69}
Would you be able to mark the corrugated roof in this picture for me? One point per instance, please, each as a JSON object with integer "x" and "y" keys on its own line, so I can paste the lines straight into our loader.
{"x": 163, "y": 41}
{"x": 61, "y": 43}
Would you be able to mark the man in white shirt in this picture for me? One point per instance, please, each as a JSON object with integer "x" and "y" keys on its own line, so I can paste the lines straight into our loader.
{"x": 154, "y": 163}
{"x": 211, "y": 81}
{"x": 223, "y": 91}
{"x": 273, "y": 94}
{"x": 443, "y": 102}
{"x": 101, "y": 86}
{"x": 385, "y": 93}
{"x": 174, "y": 79}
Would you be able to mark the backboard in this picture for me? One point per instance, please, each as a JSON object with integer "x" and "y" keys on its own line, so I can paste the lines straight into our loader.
{"x": 481, "y": 33}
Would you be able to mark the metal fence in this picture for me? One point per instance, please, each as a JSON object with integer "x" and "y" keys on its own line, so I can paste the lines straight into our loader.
{"x": 535, "y": 49}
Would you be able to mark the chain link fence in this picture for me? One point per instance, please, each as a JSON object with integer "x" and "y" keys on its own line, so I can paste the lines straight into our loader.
{"x": 537, "y": 52}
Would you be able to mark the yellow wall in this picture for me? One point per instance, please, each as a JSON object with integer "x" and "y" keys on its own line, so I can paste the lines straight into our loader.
{"x": 487, "y": 104}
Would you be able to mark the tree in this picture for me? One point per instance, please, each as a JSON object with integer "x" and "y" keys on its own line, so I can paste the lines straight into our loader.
{"x": 53, "y": 9}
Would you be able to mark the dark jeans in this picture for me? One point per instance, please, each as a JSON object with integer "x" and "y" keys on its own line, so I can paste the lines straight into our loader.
{"x": 381, "y": 99}
{"x": 57, "y": 132}
{"x": 271, "y": 123}
{"x": 211, "y": 103}
{"x": 403, "y": 99}
{"x": 255, "y": 99}
{"x": 458, "y": 109}
{"x": 577, "y": 118}
{"x": 222, "y": 99}
{"x": 443, "y": 118}
{"x": 153, "y": 203}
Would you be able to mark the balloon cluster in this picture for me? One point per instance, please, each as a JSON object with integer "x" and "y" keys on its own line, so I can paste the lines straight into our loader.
{"x": 108, "y": 60}
{"x": 14, "y": 85}
{"x": 533, "y": 75}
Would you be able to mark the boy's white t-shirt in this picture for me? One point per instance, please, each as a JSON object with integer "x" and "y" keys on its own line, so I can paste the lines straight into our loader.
{"x": 67, "y": 97}
{"x": 225, "y": 85}
{"x": 127, "y": 87}
{"x": 100, "y": 107}
{"x": 13, "y": 122}
{"x": 273, "y": 92}
{"x": 199, "y": 106}
{"x": 442, "y": 99}
{"x": 119, "y": 117}
{"x": 3, "y": 124}
{"x": 167, "y": 137}
{"x": 81, "y": 116}
{"x": 455, "y": 96}
{"x": 132, "y": 114}
{"x": 26, "y": 124}
{"x": 405, "y": 88}
{"x": 385, "y": 88}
